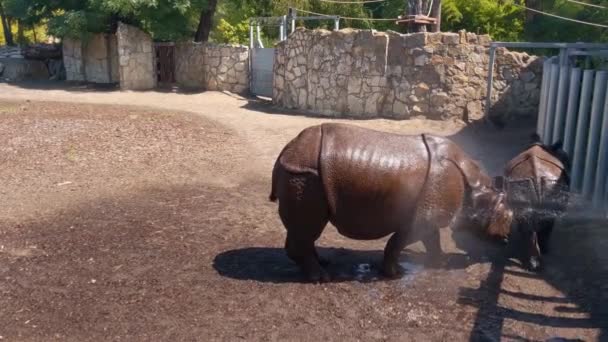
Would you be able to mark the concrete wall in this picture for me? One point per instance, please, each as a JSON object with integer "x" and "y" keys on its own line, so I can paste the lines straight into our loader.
{"x": 362, "y": 73}
{"x": 136, "y": 58}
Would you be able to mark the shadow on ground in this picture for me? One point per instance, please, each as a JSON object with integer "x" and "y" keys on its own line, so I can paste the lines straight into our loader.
{"x": 271, "y": 265}
{"x": 577, "y": 266}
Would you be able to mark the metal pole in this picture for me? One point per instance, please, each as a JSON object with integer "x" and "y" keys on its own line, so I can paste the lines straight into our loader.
{"x": 580, "y": 144}
{"x": 337, "y": 24}
{"x": 551, "y": 104}
{"x": 542, "y": 106}
{"x": 573, "y": 97}
{"x": 251, "y": 45}
{"x": 283, "y": 31}
{"x": 258, "y": 29}
{"x": 594, "y": 133}
{"x": 489, "y": 85}
{"x": 560, "y": 110}
{"x": 602, "y": 163}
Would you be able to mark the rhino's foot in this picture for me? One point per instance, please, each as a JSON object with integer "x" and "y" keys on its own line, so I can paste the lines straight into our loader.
{"x": 437, "y": 261}
{"x": 319, "y": 277}
{"x": 533, "y": 264}
{"x": 392, "y": 270}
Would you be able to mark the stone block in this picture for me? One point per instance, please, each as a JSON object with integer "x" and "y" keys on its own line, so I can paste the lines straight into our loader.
{"x": 418, "y": 39}
{"x": 451, "y": 38}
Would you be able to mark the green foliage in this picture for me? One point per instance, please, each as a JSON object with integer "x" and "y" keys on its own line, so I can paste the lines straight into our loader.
{"x": 163, "y": 19}
{"x": 226, "y": 32}
{"x": 501, "y": 19}
{"x": 545, "y": 28}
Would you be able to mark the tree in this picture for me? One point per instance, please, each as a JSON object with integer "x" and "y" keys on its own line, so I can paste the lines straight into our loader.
{"x": 205, "y": 22}
{"x": 6, "y": 26}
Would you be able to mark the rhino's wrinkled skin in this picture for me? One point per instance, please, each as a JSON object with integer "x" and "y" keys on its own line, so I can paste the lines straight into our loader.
{"x": 370, "y": 184}
{"x": 537, "y": 184}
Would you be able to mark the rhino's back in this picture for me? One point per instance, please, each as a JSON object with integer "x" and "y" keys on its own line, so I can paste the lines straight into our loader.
{"x": 372, "y": 179}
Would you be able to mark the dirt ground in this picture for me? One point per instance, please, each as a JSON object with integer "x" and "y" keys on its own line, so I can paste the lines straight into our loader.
{"x": 144, "y": 216}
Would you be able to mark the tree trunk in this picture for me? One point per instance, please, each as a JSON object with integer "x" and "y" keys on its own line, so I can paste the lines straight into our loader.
{"x": 205, "y": 22}
{"x": 436, "y": 13}
{"x": 533, "y": 4}
{"x": 34, "y": 34}
{"x": 8, "y": 35}
{"x": 20, "y": 34}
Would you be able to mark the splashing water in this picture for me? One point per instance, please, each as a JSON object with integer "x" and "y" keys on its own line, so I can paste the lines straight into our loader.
{"x": 411, "y": 270}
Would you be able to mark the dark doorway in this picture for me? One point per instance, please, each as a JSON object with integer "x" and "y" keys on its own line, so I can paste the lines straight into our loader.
{"x": 165, "y": 63}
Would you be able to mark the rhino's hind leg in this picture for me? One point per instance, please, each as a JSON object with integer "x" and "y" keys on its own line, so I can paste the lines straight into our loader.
{"x": 394, "y": 246}
{"x": 304, "y": 212}
{"x": 432, "y": 244}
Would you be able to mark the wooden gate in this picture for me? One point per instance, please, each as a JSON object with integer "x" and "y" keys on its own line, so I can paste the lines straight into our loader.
{"x": 165, "y": 63}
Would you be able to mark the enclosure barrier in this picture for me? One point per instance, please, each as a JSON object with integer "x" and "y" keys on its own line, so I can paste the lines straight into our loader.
{"x": 573, "y": 109}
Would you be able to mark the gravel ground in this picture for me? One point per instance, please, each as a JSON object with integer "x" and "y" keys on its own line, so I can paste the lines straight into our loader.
{"x": 144, "y": 216}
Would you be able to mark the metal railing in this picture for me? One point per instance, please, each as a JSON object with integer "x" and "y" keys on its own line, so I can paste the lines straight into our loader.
{"x": 573, "y": 109}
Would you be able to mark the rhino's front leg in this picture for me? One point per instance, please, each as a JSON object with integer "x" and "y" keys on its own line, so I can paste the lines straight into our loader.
{"x": 394, "y": 246}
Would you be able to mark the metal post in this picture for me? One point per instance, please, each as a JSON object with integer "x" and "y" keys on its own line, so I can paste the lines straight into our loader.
{"x": 601, "y": 176}
{"x": 551, "y": 104}
{"x": 573, "y": 97}
{"x": 283, "y": 30}
{"x": 560, "y": 110}
{"x": 337, "y": 24}
{"x": 594, "y": 133}
{"x": 251, "y": 45}
{"x": 542, "y": 106}
{"x": 259, "y": 31}
{"x": 582, "y": 125}
{"x": 490, "y": 81}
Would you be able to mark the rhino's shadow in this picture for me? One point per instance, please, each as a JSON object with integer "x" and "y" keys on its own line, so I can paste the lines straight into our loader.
{"x": 267, "y": 264}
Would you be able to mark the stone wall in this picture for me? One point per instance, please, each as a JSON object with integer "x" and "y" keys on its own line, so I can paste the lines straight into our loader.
{"x": 93, "y": 60}
{"x": 136, "y": 58}
{"x": 20, "y": 69}
{"x": 73, "y": 60}
{"x": 190, "y": 64}
{"x": 227, "y": 68}
{"x": 356, "y": 73}
{"x": 212, "y": 67}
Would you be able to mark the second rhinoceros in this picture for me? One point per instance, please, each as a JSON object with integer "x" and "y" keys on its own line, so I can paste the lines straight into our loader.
{"x": 370, "y": 184}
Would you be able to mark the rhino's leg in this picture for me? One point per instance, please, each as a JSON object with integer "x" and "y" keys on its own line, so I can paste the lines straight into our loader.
{"x": 394, "y": 246}
{"x": 432, "y": 244}
{"x": 304, "y": 212}
{"x": 544, "y": 234}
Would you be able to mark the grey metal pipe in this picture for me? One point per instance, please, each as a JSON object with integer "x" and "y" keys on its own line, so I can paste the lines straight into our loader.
{"x": 542, "y": 106}
{"x": 582, "y": 125}
{"x": 594, "y": 132}
{"x": 551, "y": 104}
{"x": 573, "y": 97}
{"x": 601, "y": 172}
{"x": 489, "y": 85}
{"x": 560, "y": 110}
{"x": 251, "y": 44}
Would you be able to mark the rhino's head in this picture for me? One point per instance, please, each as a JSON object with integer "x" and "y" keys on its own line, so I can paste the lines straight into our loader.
{"x": 490, "y": 212}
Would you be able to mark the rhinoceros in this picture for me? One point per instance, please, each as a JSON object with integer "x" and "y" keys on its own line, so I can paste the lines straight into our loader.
{"x": 537, "y": 184}
{"x": 370, "y": 184}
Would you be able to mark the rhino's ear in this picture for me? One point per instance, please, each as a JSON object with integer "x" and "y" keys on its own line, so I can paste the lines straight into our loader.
{"x": 557, "y": 146}
{"x": 499, "y": 183}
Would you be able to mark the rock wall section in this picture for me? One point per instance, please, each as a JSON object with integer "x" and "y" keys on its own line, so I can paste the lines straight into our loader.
{"x": 356, "y": 73}
{"x": 227, "y": 68}
{"x": 93, "y": 60}
{"x": 213, "y": 67}
{"x": 73, "y": 60}
{"x": 136, "y": 58}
